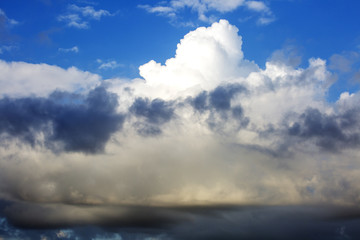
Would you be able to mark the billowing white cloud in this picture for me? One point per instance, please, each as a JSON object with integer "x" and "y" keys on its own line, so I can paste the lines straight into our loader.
{"x": 208, "y": 127}
{"x": 20, "y": 79}
{"x": 204, "y": 59}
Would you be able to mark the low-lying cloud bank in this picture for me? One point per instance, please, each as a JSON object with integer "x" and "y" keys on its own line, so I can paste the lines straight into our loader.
{"x": 209, "y": 128}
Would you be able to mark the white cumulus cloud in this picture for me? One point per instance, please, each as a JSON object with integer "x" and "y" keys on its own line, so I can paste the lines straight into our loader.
{"x": 19, "y": 79}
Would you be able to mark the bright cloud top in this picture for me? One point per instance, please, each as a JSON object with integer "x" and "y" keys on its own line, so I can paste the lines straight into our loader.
{"x": 206, "y": 128}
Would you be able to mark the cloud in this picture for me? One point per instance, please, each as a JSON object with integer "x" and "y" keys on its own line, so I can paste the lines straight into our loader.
{"x": 206, "y": 145}
{"x": 203, "y": 8}
{"x": 82, "y": 127}
{"x": 157, "y": 111}
{"x": 74, "y": 49}
{"x": 4, "y": 49}
{"x": 79, "y": 17}
{"x": 89, "y": 11}
{"x": 343, "y": 62}
{"x": 346, "y": 65}
{"x": 73, "y": 20}
{"x": 332, "y": 132}
{"x": 217, "y": 48}
{"x": 5, "y": 21}
{"x": 162, "y": 10}
{"x": 266, "y": 15}
{"x": 6, "y": 24}
{"x": 257, "y": 6}
{"x": 288, "y": 55}
{"x": 20, "y": 79}
{"x": 265, "y": 20}
{"x": 215, "y": 222}
{"x": 108, "y": 64}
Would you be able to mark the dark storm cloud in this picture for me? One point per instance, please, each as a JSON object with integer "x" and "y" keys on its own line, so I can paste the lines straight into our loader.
{"x": 24, "y": 117}
{"x": 200, "y": 102}
{"x": 219, "y": 99}
{"x": 331, "y": 132}
{"x": 81, "y": 124}
{"x": 218, "y": 102}
{"x": 50, "y": 216}
{"x": 155, "y": 113}
{"x": 195, "y": 222}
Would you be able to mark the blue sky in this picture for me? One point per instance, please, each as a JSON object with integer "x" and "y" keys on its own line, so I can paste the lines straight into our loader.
{"x": 179, "y": 119}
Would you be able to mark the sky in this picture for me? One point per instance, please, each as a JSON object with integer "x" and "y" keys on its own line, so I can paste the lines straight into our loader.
{"x": 179, "y": 119}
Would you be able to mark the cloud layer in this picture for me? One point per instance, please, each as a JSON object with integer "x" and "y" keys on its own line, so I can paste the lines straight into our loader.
{"x": 199, "y": 136}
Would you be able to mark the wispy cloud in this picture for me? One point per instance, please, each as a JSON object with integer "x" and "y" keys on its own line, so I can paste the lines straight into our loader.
{"x": 89, "y": 11}
{"x": 173, "y": 9}
{"x": 74, "y": 49}
{"x": 257, "y": 6}
{"x": 108, "y": 64}
{"x": 6, "y": 48}
{"x": 4, "y": 20}
{"x": 161, "y": 10}
{"x": 79, "y": 17}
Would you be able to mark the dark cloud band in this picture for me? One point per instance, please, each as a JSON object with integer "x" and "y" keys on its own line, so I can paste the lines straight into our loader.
{"x": 80, "y": 123}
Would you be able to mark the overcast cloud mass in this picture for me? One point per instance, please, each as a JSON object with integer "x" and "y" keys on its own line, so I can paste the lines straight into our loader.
{"x": 207, "y": 145}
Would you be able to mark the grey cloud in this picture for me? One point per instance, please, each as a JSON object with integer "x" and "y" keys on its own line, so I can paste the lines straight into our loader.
{"x": 343, "y": 62}
{"x": 346, "y": 65}
{"x": 154, "y": 113}
{"x": 192, "y": 222}
{"x": 331, "y": 132}
{"x": 82, "y": 124}
{"x": 219, "y": 99}
{"x": 147, "y": 129}
{"x": 288, "y": 55}
{"x": 218, "y": 102}
{"x": 200, "y": 102}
